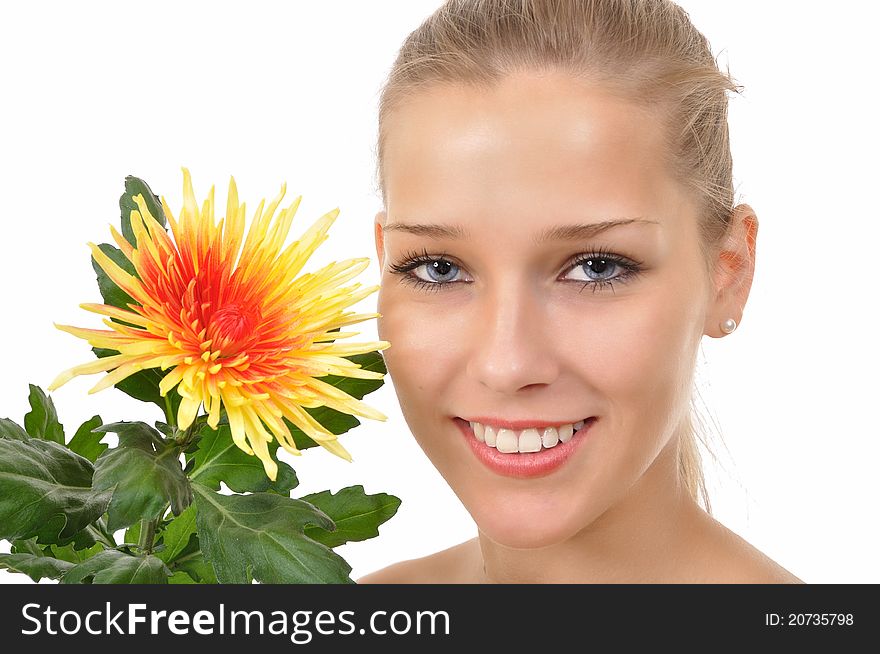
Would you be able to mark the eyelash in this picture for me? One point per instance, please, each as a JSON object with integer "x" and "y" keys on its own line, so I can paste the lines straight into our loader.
{"x": 413, "y": 260}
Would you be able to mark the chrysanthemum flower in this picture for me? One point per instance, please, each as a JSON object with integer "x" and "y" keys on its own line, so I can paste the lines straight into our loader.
{"x": 234, "y": 322}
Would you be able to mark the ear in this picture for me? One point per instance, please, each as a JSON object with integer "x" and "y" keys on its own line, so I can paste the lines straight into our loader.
{"x": 734, "y": 270}
{"x": 380, "y": 238}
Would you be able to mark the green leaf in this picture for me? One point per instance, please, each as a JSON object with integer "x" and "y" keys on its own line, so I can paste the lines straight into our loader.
{"x": 335, "y": 421}
{"x": 143, "y": 472}
{"x": 35, "y": 567}
{"x": 86, "y": 442}
{"x": 218, "y": 458}
{"x": 165, "y": 428}
{"x": 144, "y": 384}
{"x": 72, "y": 555}
{"x": 180, "y": 577}
{"x": 42, "y": 420}
{"x": 12, "y": 430}
{"x": 82, "y": 543}
{"x": 260, "y": 536}
{"x": 46, "y": 491}
{"x": 177, "y": 533}
{"x": 84, "y": 538}
{"x": 111, "y": 293}
{"x": 115, "y": 567}
{"x": 354, "y": 386}
{"x": 133, "y": 187}
{"x": 197, "y": 567}
{"x": 133, "y": 534}
{"x": 357, "y": 516}
{"x": 28, "y": 546}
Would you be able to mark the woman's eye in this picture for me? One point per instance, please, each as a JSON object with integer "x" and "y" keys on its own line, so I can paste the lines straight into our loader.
{"x": 597, "y": 269}
{"x": 433, "y": 272}
{"x": 439, "y": 271}
{"x": 427, "y": 272}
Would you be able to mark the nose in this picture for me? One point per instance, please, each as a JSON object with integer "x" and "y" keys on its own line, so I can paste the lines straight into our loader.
{"x": 513, "y": 346}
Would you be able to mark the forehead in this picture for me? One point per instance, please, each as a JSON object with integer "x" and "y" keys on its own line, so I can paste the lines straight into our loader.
{"x": 535, "y": 144}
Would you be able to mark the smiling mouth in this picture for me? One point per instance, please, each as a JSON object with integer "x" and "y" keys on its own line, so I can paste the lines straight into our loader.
{"x": 504, "y": 457}
{"x": 524, "y": 441}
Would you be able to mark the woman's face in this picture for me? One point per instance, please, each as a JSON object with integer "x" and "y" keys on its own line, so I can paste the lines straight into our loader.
{"x": 538, "y": 321}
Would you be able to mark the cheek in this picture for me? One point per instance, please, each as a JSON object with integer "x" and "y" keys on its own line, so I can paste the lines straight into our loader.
{"x": 422, "y": 358}
{"x": 637, "y": 354}
{"x": 636, "y": 347}
{"x": 643, "y": 341}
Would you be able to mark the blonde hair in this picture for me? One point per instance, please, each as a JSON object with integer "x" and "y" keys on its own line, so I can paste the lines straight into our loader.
{"x": 645, "y": 51}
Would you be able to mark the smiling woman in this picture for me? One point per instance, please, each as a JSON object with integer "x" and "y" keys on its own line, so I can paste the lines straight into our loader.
{"x": 558, "y": 235}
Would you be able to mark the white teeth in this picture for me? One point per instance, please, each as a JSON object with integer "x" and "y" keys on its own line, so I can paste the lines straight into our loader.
{"x": 529, "y": 441}
{"x": 550, "y": 437}
{"x": 478, "y": 431}
{"x": 506, "y": 441}
{"x": 565, "y": 433}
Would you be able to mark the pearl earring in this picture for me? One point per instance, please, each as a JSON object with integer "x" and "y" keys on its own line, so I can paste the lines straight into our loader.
{"x": 728, "y": 326}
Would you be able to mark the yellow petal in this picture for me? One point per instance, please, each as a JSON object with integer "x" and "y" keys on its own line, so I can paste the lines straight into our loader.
{"x": 100, "y": 365}
{"x": 187, "y": 411}
{"x": 237, "y": 428}
{"x": 125, "y": 370}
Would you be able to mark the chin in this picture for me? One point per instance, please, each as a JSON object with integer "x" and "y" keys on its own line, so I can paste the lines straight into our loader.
{"x": 521, "y": 528}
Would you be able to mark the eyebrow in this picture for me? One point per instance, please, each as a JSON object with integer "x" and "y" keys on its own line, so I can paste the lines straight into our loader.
{"x": 558, "y": 233}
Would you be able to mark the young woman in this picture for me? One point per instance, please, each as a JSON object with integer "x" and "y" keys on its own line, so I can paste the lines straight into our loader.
{"x": 558, "y": 234}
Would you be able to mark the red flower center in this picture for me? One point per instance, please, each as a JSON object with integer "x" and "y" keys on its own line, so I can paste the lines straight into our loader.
{"x": 232, "y": 328}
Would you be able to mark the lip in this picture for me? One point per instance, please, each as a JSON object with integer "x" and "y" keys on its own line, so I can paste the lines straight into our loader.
{"x": 526, "y": 465}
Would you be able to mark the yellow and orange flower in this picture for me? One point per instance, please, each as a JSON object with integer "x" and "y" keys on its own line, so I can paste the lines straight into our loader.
{"x": 239, "y": 329}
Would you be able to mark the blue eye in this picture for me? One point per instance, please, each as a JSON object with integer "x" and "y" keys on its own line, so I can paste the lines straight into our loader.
{"x": 602, "y": 269}
{"x": 597, "y": 267}
{"x": 439, "y": 270}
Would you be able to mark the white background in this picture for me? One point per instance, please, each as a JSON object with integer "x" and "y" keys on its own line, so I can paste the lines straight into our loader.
{"x": 287, "y": 91}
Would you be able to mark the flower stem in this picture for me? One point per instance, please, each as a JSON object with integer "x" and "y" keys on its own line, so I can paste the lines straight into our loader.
{"x": 148, "y": 532}
{"x": 169, "y": 412}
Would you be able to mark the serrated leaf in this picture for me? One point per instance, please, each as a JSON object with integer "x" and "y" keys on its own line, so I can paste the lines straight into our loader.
{"x": 260, "y": 536}
{"x": 46, "y": 491}
{"x": 83, "y": 539}
{"x": 28, "y": 546}
{"x": 217, "y": 458}
{"x": 115, "y": 567}
{"x": 71, "y": 554}
{"x": 35, "y": 567}
{"x": 177, "y": 534}
{"x": 136, "y": 186}
{"x": 197, "y": 567}
{"x": 357, "y": 516}
{"x": 42, "y": 420}
{"x": 86, "y": 442}
{"x": 143, "y": 472}
{"x": 83, "y": 543}
{"x": 12, "y": 430}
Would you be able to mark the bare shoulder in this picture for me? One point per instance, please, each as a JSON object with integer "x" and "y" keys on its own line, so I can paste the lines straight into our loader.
{"x": 449, "y": 566}
{"x": 731, "y": 559}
